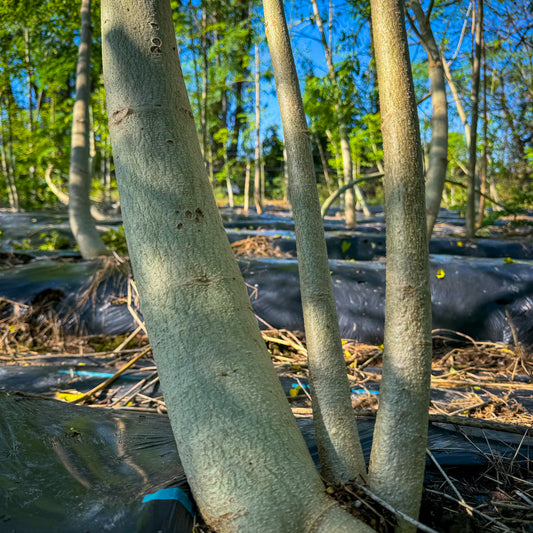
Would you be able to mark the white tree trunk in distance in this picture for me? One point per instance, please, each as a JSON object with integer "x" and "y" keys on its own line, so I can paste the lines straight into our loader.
{"x": 81, "y": 222}
{"x": 341, "y": 455}
{"x": 396, "y": 470}
{"x": 244, "y": 456}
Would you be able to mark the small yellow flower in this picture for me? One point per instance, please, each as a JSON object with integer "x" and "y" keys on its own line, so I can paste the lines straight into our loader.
{"x": 508, "y": 260}
{"x": 440, "y": 273}
{"x": 460, "y": 244}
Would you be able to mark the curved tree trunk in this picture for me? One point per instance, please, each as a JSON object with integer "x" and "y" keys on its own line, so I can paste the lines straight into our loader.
{"x": 396, "y": 470}
{"x": 62, "y": 197}
{"x": 244, "y": 457}
{"x": 438, "y": 152}
{"x": 332, "y": 197}
{"x": 81, "y": 222}
{"x": 340, "y": 451}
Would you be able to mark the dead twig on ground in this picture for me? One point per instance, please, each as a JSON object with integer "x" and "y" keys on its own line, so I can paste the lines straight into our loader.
{"x": 110, "y": 380}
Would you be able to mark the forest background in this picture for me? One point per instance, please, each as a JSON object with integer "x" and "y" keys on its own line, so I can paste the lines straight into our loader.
{"x": 230, "y": 84}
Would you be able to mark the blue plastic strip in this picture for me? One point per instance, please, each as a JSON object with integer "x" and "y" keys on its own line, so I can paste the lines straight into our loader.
{"x": 97, "y": 374}
{"x": 171, "y": 494}
{"x": 355, "y": 391}
{"x": 364, "y": 391}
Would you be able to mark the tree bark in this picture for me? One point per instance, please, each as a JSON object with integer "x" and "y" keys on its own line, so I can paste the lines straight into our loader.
{"x": 81, "y": 222}
{"x": 244, "y": 457}
{"x": 471, "y": 191}
{"x": 341, "y": 455}
{"x": 438, "y": 152}
{"x": 397, "y": 461}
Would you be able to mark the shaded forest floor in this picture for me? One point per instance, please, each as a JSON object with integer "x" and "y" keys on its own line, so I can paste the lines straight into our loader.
{"x": 474, "y": 384}
{"x": 484, "y": 385}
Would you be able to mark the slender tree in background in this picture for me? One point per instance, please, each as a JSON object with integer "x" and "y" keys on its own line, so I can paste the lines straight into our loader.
{"x": 438, "y": 152}
{"x": 258, "y": 200}
{"x": 484, "y": 153}
{"x": 245, "y": 459}
{"x": 397, "y": 461}
{"x": 7, "y": 170}
{"x": 340, "y": 451}
{"x": 349, "y": 200}
{"x": 324, "y": 163}
{"x": 81, "y": 221}
{"x": 39, "y": 64}
{"x": 474, "y": 97}
{"x": 451, "y": 83}
{"x": 246, "y": 206}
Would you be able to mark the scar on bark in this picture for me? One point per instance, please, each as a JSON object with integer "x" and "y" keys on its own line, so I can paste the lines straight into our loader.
{"x": 118, "y": 116}
{"x": 156, "y": 45}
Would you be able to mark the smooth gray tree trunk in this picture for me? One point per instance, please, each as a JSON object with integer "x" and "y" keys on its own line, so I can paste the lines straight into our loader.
{"x": 340, "y": 451}
{"x": 245, "y": 459}
{"x": 81, "y": 222}
{"x": 474, "y": 97}
{"x": 438, "y": 152}
{"x": 397, "y": 461}
{"x": 258, "y": 199}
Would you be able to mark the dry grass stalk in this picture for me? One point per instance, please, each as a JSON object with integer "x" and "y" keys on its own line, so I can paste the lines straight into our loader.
{"x": 258, "y": 246}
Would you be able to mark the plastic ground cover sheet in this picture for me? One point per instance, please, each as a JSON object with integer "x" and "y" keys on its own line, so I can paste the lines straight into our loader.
{"x": 483, "y": 298}
{"x": 67, "y": 468}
